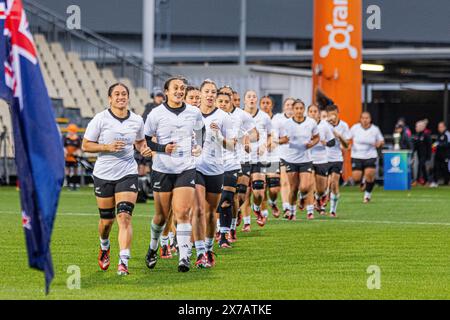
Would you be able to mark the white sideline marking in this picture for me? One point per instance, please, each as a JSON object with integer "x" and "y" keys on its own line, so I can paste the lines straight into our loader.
{"x": 419, "y": 223}
{"x": 386, "y": 222}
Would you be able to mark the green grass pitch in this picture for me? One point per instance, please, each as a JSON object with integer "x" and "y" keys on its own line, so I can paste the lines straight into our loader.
{"x": 405, "y": 234}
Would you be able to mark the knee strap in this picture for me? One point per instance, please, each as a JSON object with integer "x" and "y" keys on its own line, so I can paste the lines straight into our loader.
{"x": 107, "y": 213}
{"x": 273, "y": 182}
{"x": 226, "y": 196}
{"x": 126, "y": 207}
{"x": 258, "y": 185}
{"x": 241, "y": 188}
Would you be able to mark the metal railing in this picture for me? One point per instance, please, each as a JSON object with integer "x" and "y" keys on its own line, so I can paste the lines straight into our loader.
{"x": 92, "y": 46}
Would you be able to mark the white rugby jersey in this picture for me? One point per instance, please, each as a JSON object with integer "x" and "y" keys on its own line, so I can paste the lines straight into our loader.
{"x": 319, "y": 151}
{"x": 335, "y": 152}
{"x": 278, "y": 123}
{"x": 364, "y": 140}
{"x": 242, "y": 123}
{"x": 281, "y": 119}
{"x": 299, "y": 134}
{"x": 174, "y": 125}
{"x": 210, "y": 162}
{"x": 264, "y": 127}
{"x": 106, "y": 128}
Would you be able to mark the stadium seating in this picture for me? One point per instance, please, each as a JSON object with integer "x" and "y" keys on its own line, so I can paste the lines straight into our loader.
{"x": 78, "y": 88}
{"x": 81, "y": 84}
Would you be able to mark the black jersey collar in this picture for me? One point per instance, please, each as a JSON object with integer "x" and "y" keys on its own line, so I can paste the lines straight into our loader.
{"x": 208, "y": 114}
{"x": 177, "y": 111}
{"x": 118, "y": 118}
{"x": 257, "y": 110}
{"x": 297, "y": 121}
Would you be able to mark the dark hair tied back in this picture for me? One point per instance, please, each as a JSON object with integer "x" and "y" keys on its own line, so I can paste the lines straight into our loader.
{"x": 111, "y": 88}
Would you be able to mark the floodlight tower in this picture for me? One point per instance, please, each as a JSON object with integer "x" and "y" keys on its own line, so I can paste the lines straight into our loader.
{"x": 148, "y": 42}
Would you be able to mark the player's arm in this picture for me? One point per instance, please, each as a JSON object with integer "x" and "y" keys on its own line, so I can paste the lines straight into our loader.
{"x": 379, "y": 144}
{"x": 158, "y": 147}
{"x": 143, "y": 148}
{"x": 225, "y": 134}
{"x": 95, "y": 147}
{"x": 264, "y": 145}
{"x": 344, "y": 142}
{"x": 283, "y": 140}
{"x": 314, "y": 140}
{"x": 380, "y": 140}
{"x": 253, "y": 135}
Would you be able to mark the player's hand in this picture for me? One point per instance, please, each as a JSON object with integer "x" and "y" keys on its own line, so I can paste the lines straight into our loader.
{"x": 272, "y": 145}
{"x": 247, "y": 148}
{"x": 262, "y": 149}
{"x": 116, "y": 146}
{"x": 197, "y": 150}
{"x": 309, "y": 145}
{"x": 214, "y": 126}
{"x": 170, "y": 147}
{"x": 336, "y": 134}
{"x": 146, "y": 152}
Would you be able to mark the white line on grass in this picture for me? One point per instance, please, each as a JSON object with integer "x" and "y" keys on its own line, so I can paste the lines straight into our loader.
{"x": 419, "y": 223}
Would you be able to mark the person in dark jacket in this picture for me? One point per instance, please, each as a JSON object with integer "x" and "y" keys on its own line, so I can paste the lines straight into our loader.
{"x": 422, "y": 145}
{"x": 404, "y": 141}
{"x": 442, "y": 156}
{"x": 158, "y": 98}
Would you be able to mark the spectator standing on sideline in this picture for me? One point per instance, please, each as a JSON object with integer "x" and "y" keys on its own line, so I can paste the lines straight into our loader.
{"x": 158, "y": 98}
{"x": 442, "y": 156}
{"x": 404, "y": 141}
{"x": 422, "y": 145}
{"x": 406, "y": 129}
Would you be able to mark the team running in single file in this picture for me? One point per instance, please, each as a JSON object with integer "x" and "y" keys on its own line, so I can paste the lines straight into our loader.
{"x": 215, "y": 164}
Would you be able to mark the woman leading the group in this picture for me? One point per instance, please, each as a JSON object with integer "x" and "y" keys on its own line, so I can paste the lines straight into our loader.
{"x": 113, "y": 133}
{"x": 173, "y": 123}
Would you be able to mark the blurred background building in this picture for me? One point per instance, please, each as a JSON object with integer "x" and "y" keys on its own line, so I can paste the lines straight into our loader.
{"x": 203, "y": 39}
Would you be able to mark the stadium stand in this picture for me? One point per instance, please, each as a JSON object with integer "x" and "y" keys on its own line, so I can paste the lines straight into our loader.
{"x": 81, "y": 85}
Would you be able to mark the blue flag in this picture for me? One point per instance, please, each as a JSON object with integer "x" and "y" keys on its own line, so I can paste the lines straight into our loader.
{"x": 39, "y": 153}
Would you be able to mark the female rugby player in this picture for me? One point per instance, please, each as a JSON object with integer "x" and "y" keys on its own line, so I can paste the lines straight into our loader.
{"x": 209, "y": 177}
{"x": 302, "y": 134}
{"x": 112, "y": 133}
{"x": 258, "y": 156}
{"x": 243, "y": 125}
{"x": 320, "y": 157}
{"x": 173, "y": 171}
{"x": 366, "y": 139}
